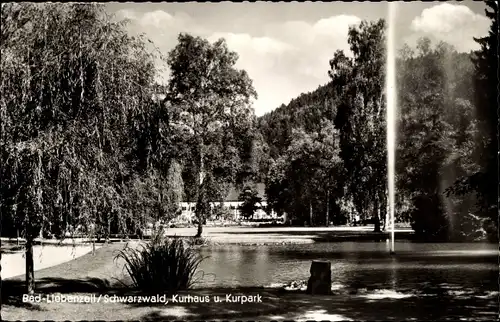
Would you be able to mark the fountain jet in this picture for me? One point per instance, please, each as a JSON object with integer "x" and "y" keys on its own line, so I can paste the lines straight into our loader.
{"x": 390, "y": 84}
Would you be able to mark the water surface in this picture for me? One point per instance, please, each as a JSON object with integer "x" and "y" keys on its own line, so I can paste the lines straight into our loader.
{"x": 418, "y": 268}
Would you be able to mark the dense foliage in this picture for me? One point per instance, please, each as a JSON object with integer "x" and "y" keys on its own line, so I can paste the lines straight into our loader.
{"x": 436, "y": 133}
{"x": 483, "y": 182}
{"x": 306, "y": 181}
{"x": 305, "y": 111}
{"x": 70, "y": 98}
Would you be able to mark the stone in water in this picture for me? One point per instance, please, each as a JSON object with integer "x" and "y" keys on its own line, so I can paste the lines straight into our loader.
{"x": 320, "y": 281}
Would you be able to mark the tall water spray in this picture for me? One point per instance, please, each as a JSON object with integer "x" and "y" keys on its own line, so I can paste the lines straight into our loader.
{"x": 390, "y": 84}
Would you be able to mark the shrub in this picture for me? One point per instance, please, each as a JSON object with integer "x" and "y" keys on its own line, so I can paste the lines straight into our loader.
{"x": 428, "y": 219}
{"x": 223, "y": 213}
{"x": 197, "y": 241}
{"x": 162, "y": 265}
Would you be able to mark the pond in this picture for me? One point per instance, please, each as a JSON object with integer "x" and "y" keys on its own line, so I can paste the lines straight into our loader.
{"x": 417, "y": 268}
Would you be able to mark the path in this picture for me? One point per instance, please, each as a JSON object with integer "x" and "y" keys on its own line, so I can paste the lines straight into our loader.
{"x": 14, "y": 264}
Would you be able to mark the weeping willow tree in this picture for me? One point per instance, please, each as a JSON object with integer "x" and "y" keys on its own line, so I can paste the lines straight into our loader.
{"x": 73, "y": 87}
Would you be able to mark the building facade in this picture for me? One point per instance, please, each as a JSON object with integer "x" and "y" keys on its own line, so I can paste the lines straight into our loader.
{"x": 231, "y": 206}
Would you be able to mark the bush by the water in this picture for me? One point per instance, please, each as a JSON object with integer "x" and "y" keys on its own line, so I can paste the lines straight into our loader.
{"x": 197, "y": 241}
{"x": 162, "y": 265}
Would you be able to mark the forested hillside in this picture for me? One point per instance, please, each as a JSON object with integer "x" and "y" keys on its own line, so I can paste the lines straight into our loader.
{"x": 306, "y": 112}
{"x": 443, "y": 138}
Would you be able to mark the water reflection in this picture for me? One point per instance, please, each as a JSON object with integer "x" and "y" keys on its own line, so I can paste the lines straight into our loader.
{"x": 356, "y": 265}
{"x": 394, "y": 273}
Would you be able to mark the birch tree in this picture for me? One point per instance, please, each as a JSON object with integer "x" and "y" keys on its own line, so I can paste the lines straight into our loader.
{"x": 211, "y": 99}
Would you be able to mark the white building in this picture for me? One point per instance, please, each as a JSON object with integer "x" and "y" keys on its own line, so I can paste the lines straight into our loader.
{"x": 231, "y": 203}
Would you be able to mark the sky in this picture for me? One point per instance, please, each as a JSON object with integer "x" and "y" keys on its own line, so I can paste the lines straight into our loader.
{"x": 286, "y": 47}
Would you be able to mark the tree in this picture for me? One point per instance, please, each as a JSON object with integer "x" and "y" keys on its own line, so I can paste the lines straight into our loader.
{"x": 422, "y": 137}
{"x": 71, "y": 81}
{"x": 277, "y": 191}
{"x": 251, "y": 202}
{"x": 436, "y": 139}
{"x": 156, "y": 157}
{"x": 485, "y": 181}
{"x": 254, "y": 156}
{"x": 175, "y": 188}
{"x": 360, "y": 117}
{"x": 211, "y": 99}
{"x": 308, "y": 177}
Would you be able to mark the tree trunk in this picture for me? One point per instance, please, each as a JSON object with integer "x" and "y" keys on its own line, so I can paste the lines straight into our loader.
{"x": 310, "y": 214}
{"x": 327, "y": 208}
{"x": 379, "y": 219}
{"x": 377, "y": 224}
{"x": 387, "y": 210}
{"x": 200, "y": 229}
{"x": 30, "y": 268}
{"x": 376, "y": 216}
{"x": 108, "y": 233}
{"x": 200, "y": 195}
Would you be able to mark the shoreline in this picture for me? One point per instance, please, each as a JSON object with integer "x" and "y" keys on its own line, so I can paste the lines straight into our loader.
{"x": 243, "y": 239}
{"x": 244, "y": 235}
